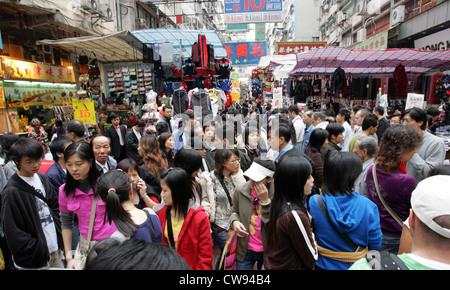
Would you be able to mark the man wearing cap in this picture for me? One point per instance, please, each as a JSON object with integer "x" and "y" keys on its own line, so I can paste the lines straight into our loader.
{"x": 251, "y": 206}
{"x": 429, "y": 224}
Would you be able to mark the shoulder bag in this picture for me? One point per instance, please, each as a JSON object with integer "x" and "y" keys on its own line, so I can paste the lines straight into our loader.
{"x": 81, "y": 254}
{"x": 345, "y": 257}
{"x": 312, "y": 247}
{"x": 391, "y": 212}
{"x": 152, "y": 229}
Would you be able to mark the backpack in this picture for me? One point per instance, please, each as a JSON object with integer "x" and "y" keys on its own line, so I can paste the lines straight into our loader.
{"x": 385, "y": 261}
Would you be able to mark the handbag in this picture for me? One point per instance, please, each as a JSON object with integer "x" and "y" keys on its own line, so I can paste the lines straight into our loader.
{"x": 83, "y": 58}
{"x": 386, "y": 206}
{"x": 82, "y": 253}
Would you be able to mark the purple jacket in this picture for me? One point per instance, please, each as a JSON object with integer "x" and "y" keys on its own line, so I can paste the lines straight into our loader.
{"x": 396, "y": 189}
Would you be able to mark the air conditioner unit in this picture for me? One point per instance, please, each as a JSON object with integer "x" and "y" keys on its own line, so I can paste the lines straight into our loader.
{"x": 90, "y": 6}
{"x": 361, "y": 35}
{"x": 361, "y": 9}
{"x": 398, "y": 15}
{"x": 341, "y": 16}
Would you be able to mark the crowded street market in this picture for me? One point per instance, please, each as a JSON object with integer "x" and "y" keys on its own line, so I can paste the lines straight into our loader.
{"x": 224, "y": 135}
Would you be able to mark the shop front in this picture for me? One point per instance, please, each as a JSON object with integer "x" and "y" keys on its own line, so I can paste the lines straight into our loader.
{"x": 33, "y": 90}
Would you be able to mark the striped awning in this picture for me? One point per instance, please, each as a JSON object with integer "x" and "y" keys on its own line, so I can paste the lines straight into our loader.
{"x": 370, "y": 62}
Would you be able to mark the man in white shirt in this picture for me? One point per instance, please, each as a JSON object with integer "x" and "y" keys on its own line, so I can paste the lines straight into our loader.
{"x": 343, "y": 118}
{"x": 319, "y": 121}
{"x": 297, "y": 122}
{"x": 431, "y": 151}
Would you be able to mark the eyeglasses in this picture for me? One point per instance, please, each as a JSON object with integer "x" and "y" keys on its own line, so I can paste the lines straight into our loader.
{"x": 235, "y": 161}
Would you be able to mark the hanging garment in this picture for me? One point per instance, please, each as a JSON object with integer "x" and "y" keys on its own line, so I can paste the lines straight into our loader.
{"x": 166, "y": 53}
{"x": 400, "y": 84}
{"x": 338, "y": 80}
{"x": 180, "y": 101}
{"x": 203, "y": 48}
{"x": 200, "y": 98}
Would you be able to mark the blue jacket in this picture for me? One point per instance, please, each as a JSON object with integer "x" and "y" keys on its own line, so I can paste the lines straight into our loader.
{"x": 56, "y": 175}
{"x": 355, "y": 216}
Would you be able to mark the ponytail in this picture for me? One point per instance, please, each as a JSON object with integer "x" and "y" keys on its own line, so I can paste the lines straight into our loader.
{"x": 114, "y": 188}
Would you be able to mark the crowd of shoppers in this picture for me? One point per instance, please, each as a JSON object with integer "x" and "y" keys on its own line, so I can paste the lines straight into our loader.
{"x": 300, "y": 190}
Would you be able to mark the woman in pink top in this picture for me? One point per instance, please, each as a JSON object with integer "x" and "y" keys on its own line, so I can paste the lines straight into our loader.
{"x": 76, "y": 197}
{"x": 251, "y": 205}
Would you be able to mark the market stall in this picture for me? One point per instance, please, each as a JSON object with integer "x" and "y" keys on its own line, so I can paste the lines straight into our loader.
{"x": 91, "y": 54}
{"x": 344, "y": 76}
{"x": 34, "y": 90}
{"x": 140, "y": 71}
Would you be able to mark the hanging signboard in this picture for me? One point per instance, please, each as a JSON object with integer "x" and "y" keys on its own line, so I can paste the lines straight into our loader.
{"x": 17, "y": 69}
{"x": 415, "y": 100}
{"x": 253, "y": 11}
{"x": 376, "y": 42}
{"x": 24, "y": 94}
{"x": 277, "y": 101}
{"x": 245, "y": 53}
{"x": 84, "y": 110}
{"x": 282, "y": 48}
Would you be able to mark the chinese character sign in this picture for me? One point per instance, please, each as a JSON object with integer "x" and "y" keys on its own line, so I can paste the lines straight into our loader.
{"x": 246, "y": 53}
{"x": 297, "y": 47}
{"x": 253, "y": 11}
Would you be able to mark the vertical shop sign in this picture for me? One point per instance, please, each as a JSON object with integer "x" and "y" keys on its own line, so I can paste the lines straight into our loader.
{"x": 260, "y": 31}
{"x": 245, "y": 53}
{"x": 253, "y": 11}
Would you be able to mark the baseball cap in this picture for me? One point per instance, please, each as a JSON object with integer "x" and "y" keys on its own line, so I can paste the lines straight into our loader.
{"x": 431, "y": 199}
{"x": 257, "y": 172}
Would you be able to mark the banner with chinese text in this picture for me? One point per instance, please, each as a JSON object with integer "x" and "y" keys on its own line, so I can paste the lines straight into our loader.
{"x": 17, "y": 69}
{"x": 253, "y": 11}
{"x": 297, "y": 47}
{"x": 245, "y": 53}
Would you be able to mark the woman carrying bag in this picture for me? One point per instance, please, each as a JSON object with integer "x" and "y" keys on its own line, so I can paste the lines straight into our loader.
{"x": 290, "y": 239}
{"x": 388, "y": 184}
{"x": 251, "y": 205}
{"x": 77, "y": 197}
{"x": 346, "y": 224}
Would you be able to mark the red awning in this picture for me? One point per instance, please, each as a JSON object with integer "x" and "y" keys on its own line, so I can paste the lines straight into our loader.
{"x": 370, "y": 62}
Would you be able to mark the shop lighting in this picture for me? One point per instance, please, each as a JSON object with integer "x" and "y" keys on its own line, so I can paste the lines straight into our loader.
{"x": 40, "y": 83}
{"x": 309, "y": 65}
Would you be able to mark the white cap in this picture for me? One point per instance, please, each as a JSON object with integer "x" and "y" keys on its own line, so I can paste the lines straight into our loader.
{"x": 257, "y": 172}
{"x": 431, "y": 199}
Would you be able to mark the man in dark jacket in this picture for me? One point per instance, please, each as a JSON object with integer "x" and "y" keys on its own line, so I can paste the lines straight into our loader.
{"x": 56, "y": 174}
{"x": 163, "y": 123}
{"x": 30, "y": 211}
{"x": 116, "y": 134}
{"x": 132, "y": 141}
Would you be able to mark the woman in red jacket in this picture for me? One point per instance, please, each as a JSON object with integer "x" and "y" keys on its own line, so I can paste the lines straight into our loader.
{"x": 185, "y": 225}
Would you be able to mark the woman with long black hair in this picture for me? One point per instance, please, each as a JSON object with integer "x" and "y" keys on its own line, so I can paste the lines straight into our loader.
{"x": 114, "y": 188}
{"x": 77, "y": 197}
{"x": 290, "y": 239}
{"x": 185, "y": 225}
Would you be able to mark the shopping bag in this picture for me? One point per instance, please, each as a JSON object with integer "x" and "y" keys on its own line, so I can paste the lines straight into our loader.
{"x": 228, "y": 259}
